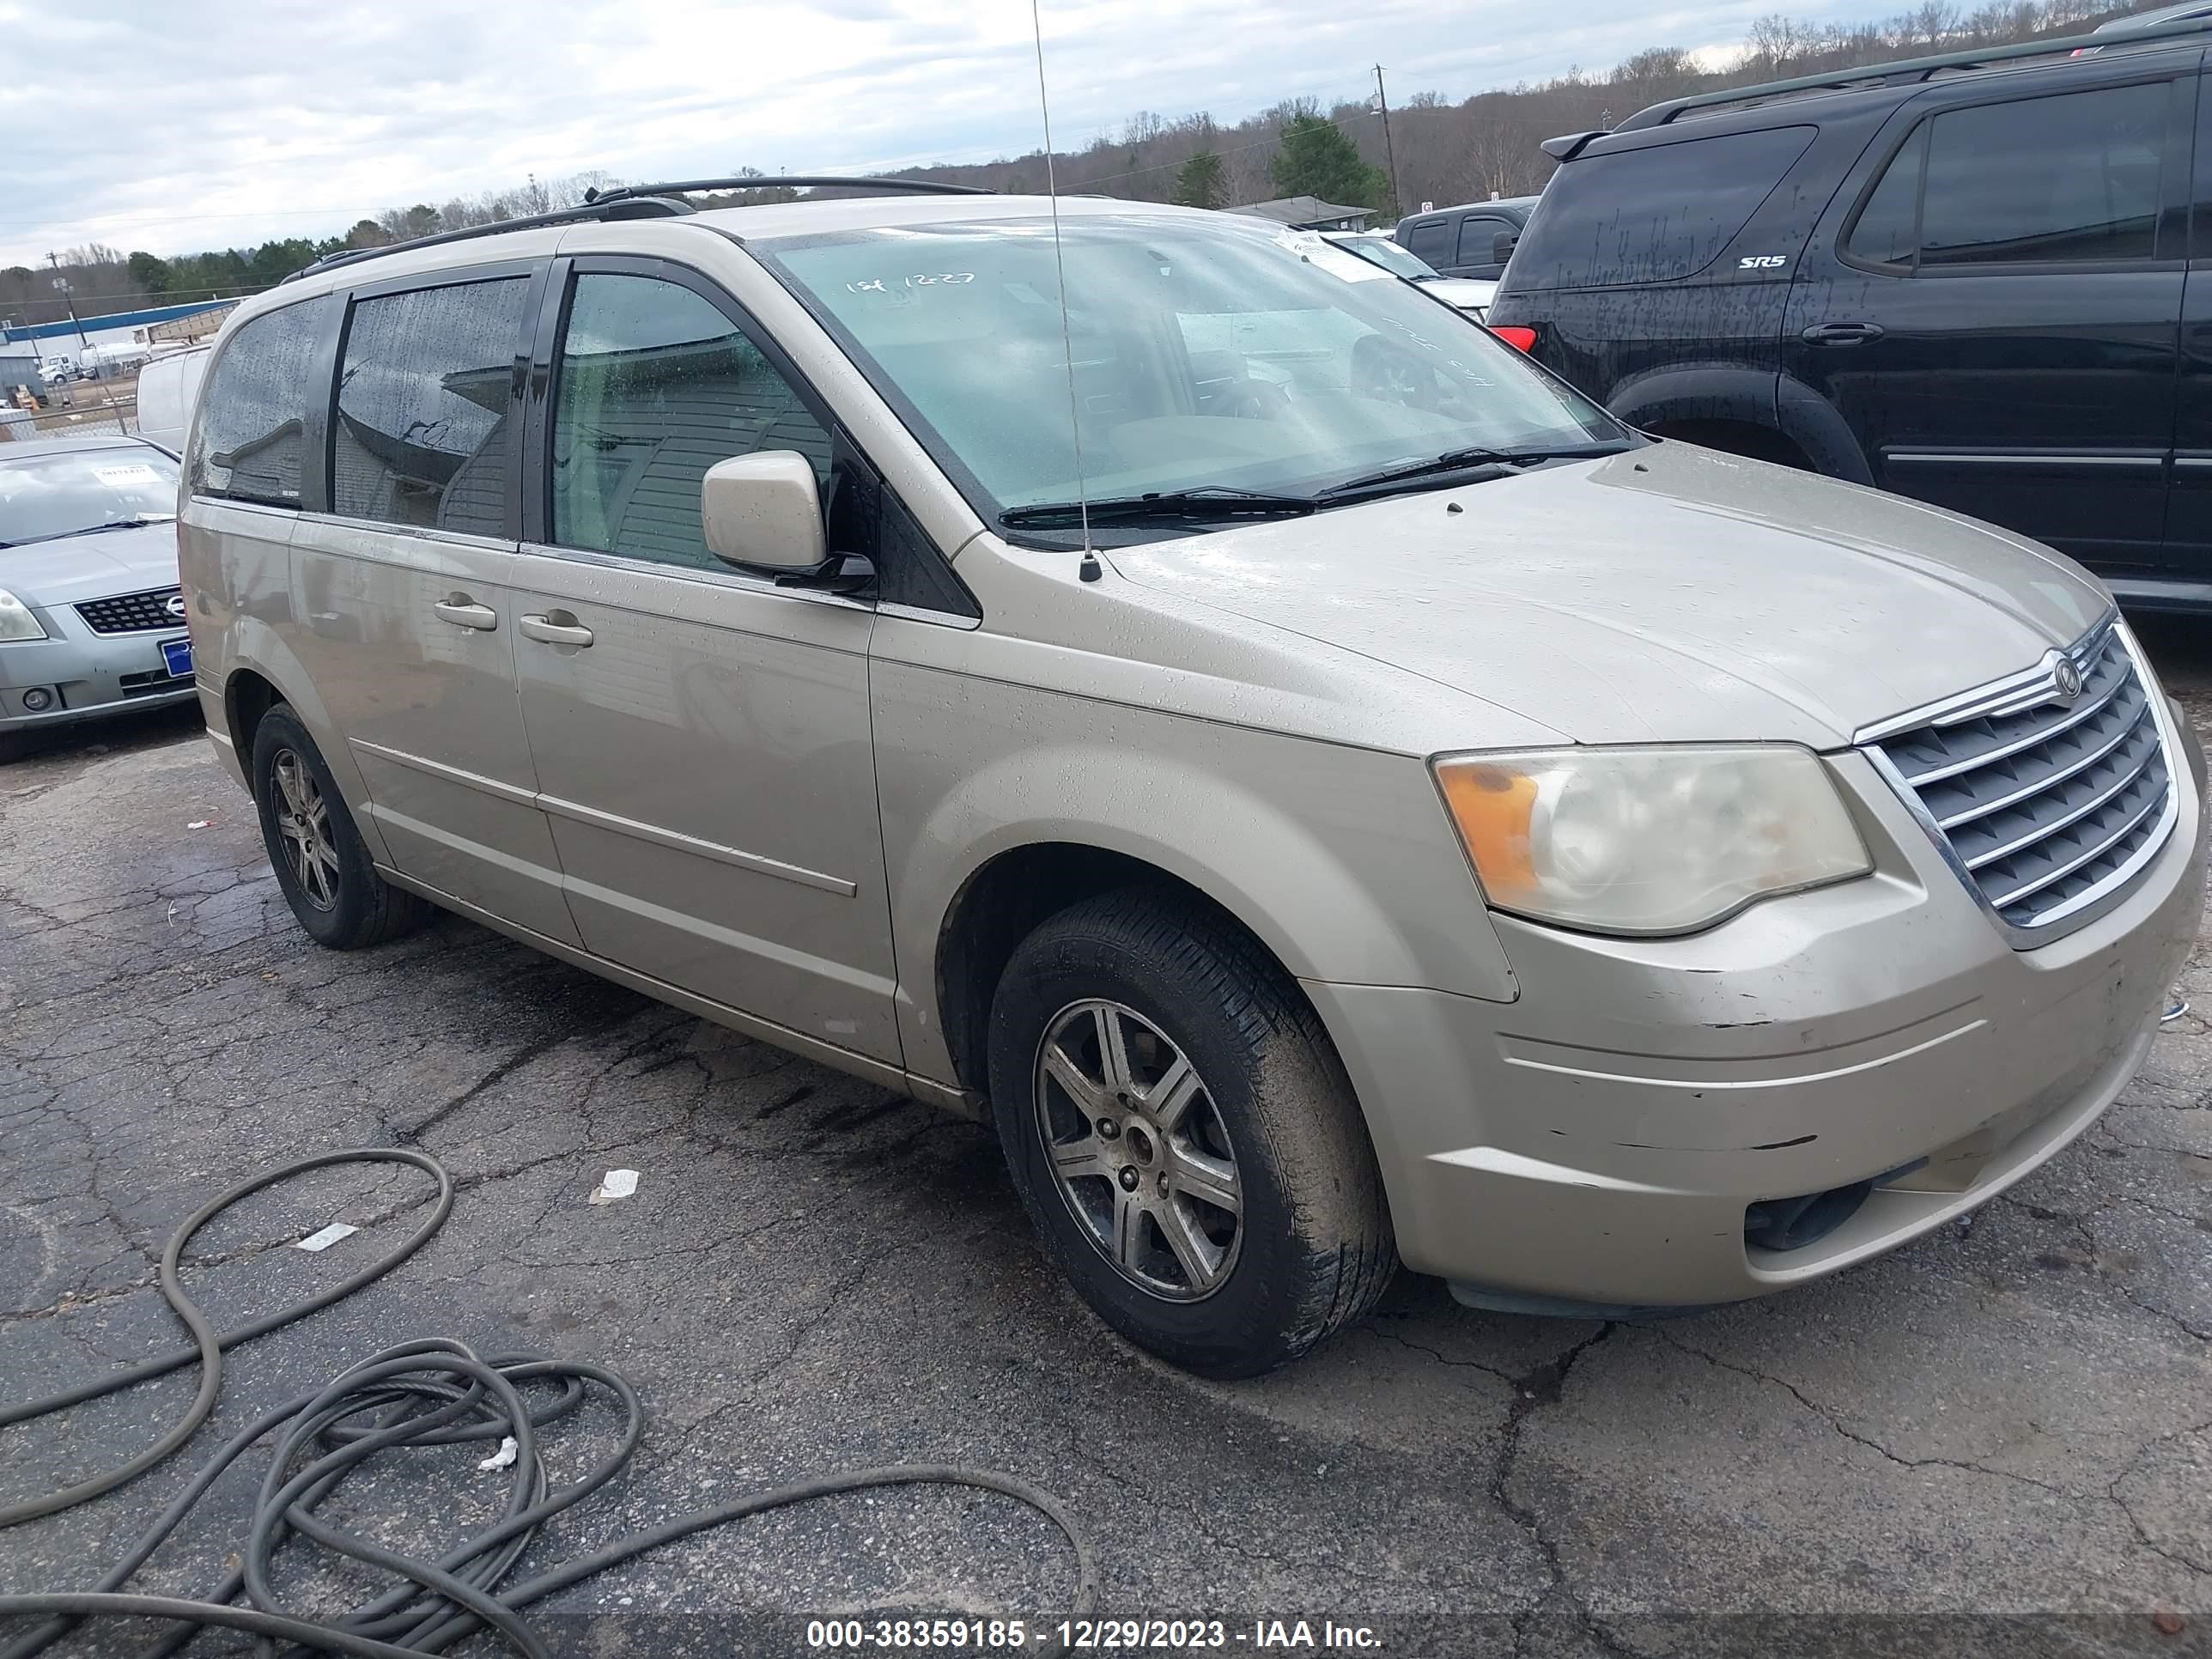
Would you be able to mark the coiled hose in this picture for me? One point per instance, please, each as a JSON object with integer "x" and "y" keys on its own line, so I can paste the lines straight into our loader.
{"x": 433, "y": 1392}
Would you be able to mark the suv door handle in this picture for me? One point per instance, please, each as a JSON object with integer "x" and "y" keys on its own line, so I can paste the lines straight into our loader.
{"x": 1841, "y": 334}
{"x": 553, "y": 630}
{"x": 465, "y": 612}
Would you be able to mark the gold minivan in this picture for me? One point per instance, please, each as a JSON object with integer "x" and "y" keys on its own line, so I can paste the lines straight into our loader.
{"x": 1328, "y": 792}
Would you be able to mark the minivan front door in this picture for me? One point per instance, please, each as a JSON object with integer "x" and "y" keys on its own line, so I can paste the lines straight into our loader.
{"x": 1993, "y": 308}
{"x": 702, "y": 737}
{"x": 406, "y": 595}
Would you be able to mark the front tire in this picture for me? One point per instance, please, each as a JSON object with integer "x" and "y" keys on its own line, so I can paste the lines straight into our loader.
{"x": 321, "y": 862}
{"x": 1183, "y": 1136}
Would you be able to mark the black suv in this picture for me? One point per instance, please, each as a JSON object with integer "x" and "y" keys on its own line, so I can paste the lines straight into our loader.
{"x": 1982, "y": 283}
{"x": 1475, "y": 240}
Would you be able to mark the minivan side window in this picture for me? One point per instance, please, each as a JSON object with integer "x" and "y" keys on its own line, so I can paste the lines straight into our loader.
{"x": 654, "y": 386}
{"x": 1654, "y": 213}
{"x": 423, "y": 434}
{"x": 249, "y": 441}
{"x": 2073, "y": 177}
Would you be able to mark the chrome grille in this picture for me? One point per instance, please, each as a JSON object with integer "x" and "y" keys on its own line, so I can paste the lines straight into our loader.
{"x": 2050, "y": 806}
{"x": 131, "y": 613}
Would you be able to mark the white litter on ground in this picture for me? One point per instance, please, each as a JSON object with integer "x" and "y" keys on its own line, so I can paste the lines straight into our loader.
{"x": 500, "y": 1459}
{"x": 328, "y": 1236}
{"x": 615, "y": 1184}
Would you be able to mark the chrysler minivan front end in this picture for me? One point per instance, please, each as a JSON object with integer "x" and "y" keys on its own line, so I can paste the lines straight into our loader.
{"x": 1988, "y": 912}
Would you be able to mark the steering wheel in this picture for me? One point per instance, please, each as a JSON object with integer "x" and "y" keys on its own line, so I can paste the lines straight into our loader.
{"x": 1256, "y": 400}
{"x": 1388, "y": 374}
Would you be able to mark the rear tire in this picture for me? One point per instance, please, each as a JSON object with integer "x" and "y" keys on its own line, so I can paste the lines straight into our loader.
{"x": 321, "y": 861}
{"x": 1212, "y": 1194}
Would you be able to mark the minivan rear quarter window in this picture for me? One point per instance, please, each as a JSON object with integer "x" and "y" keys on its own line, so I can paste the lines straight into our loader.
{"x": 1652, "y": 214}
{"x": 248, "y": 444}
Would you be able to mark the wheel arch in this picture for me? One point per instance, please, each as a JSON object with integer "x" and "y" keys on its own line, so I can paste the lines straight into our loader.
{"x": 260, "y": 672}
{"x": 1004, "y": 898}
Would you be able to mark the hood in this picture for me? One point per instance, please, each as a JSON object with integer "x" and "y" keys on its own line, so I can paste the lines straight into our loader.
{"x": 1666, "y": 594}
{"x": 94, "y": 566}
{"x": 1467, "y": 293}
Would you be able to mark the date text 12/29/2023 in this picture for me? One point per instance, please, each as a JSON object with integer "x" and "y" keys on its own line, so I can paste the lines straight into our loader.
{"x": 1010, "y": 1636}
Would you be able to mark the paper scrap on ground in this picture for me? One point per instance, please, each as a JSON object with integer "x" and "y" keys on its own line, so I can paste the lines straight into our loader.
{"x": 615, "y": 1184}
{"x": 197, "y": 823}
{"x": 328, "y": 1236}
{"x": 502, "y": 1457}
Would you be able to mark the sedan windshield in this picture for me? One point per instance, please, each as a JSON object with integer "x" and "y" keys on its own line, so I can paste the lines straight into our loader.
{"x": 64, "y": 492}
{"x": 1398, "y": 261}
{"x": 1206, "y": 353}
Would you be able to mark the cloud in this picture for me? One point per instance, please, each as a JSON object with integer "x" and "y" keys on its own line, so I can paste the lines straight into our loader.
{"x": 192, "y": 124}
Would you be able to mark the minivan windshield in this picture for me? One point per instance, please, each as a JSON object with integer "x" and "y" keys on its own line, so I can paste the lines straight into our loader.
{"x": 67, "y": 492}
{"x": 1214, "y": 358}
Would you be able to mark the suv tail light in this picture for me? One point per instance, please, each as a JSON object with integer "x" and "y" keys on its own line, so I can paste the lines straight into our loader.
{"x": 1521, "y": 339}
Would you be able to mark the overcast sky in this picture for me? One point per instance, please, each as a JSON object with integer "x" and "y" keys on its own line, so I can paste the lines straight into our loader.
{"x": 175, "y": 125}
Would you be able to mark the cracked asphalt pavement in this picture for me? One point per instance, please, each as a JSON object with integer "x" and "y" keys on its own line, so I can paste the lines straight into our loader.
{"x": 1999, "y": 1439}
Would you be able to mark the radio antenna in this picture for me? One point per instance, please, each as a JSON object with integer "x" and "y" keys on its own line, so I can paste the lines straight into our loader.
{"x": 1067, "y": 333}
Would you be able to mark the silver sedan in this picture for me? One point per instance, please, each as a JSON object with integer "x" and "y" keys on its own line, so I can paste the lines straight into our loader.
{"x": 91, "y": 620}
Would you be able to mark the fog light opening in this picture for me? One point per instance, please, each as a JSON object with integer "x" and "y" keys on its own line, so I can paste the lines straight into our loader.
{"x": 1792, "y": 1223}
{"x": 37, "y": 700}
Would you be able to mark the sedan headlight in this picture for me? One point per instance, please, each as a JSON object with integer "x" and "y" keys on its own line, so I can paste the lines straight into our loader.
{"x": 16, "y": 622}
{"x": 1648, "y": 841}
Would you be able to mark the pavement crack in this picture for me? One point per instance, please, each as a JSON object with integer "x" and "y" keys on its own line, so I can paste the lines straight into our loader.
{"x": 1853, "y": 1435}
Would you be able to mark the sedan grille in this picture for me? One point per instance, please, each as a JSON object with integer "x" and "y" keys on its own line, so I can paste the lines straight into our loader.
{"x": 131, "y": 613}
{"x": 2050, "y": 805}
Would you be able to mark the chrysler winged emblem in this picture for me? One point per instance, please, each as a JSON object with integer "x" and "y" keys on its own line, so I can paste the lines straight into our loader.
{"x": 2065, "y": 677}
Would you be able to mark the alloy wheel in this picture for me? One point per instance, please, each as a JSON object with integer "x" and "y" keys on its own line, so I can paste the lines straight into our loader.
{"x": 1139, "y": 1150}
{"x": 303, "y": 818}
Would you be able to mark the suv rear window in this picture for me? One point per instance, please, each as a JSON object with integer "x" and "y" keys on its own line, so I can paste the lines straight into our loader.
{"x": 1654, "y": 213}
{"x": 2069, "y": 177}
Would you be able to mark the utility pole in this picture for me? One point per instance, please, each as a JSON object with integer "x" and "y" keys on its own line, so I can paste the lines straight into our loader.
{"x": 62, "y": 282}
{"x": 1389, "y": 149}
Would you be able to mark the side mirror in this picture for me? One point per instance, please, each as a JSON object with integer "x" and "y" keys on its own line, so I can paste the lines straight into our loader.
{"x": 763, "y": 512}
{"x": 1501, "y": 247}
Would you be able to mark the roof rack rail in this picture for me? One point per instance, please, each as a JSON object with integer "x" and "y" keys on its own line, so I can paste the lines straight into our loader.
{"x": 1922, "y": 69}
{"x": 788, "y": 181}
{"x": 639, "y": 202}
{"x": 629, "y": 206}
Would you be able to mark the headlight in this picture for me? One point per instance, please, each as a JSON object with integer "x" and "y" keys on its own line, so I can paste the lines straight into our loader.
{"x": 16, "y": 622}
{"x": 1648, "y": 841}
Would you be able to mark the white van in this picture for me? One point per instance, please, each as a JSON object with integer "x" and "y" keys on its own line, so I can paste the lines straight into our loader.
{"x": 168, "y": 387}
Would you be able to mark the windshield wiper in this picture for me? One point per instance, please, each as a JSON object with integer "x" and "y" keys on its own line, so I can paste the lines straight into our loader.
{"x": 1458, "y": 461}
{"x": 1206, "y": 502}
{"x": 90, "y": 529}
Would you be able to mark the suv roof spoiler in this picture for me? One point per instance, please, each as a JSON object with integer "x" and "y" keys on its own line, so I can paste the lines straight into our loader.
{"x": 1568, "y": 145}
{"x": 1911, "y": 69}
{"x": 637, "y": 202}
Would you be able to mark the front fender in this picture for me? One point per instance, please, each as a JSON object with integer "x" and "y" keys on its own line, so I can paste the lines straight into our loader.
{"x": 1340, "y": 860}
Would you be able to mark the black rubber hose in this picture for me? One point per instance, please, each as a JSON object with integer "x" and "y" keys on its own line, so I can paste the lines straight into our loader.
{"x": 421, "y": 1395}
{"x": 208, "y": 1343}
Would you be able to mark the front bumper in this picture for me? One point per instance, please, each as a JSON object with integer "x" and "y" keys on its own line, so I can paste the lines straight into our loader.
{"x": 1598, "y": 1141}
{"x": 89, "y": 676}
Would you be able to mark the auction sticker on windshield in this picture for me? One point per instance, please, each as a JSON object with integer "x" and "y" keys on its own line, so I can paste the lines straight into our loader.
{"x": 136, "y": 473}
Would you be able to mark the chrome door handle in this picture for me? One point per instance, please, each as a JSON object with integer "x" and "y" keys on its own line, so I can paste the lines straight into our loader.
{"x": 1840, "y": 334}
{"x": 464, "y": 612}
{"x": 553, "y": 632}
